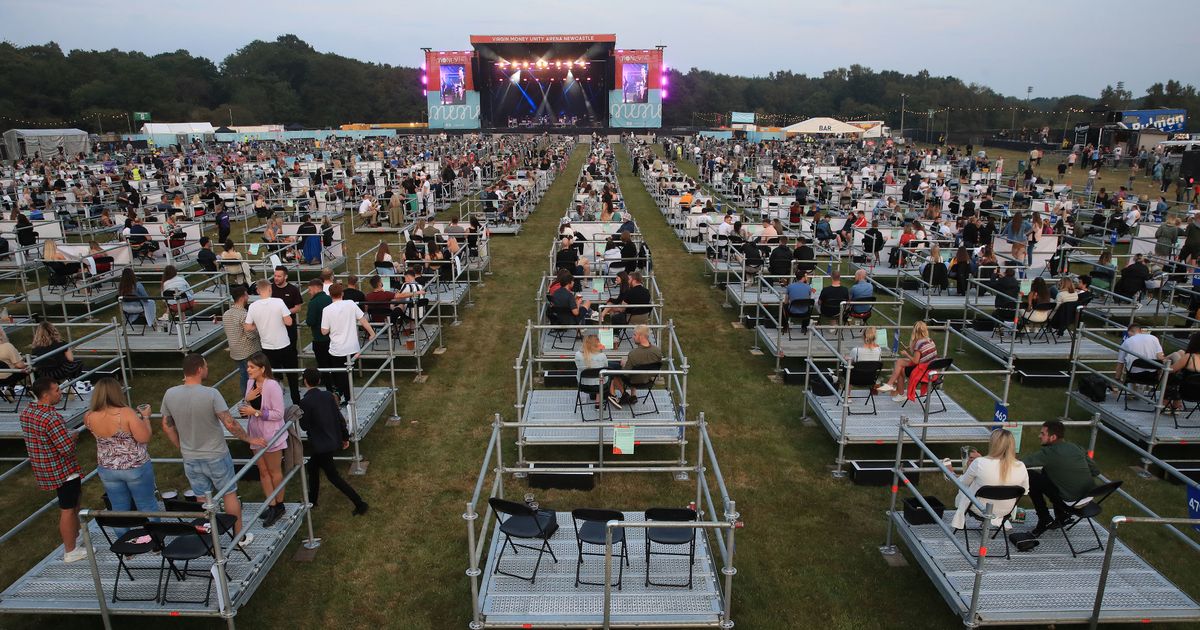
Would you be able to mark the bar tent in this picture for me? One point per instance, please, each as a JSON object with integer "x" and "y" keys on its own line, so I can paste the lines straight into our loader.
{"x": 21, "y": 143}
{"x": 824, "y": 126}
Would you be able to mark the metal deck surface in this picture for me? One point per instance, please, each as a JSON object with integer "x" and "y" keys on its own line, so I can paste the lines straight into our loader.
{"x": 884, "y": 426}
{"x": 371, "y": 403}
{"x": 798, "y": 345}
{"x": 73, "y": 297}
{"x": 199, "y": 335}
{"x": 694, "y": 248}
{"x": 1149, "y": 308}
{"x": 740, "y": 295}
{"x": 1047, "y": 585}
{"x": 449, "y": 294}
{"x": 1040, "y": 350}
{"x": 54, "y": 587}
{"x": 1137, "y": 423}
{"x": 558, "y": 406}
{"x": 426, "y": 340}
{"x": 10, "y": 420}
{"x": 555, "y": 601}
{"x": 510, "y": 229}
{"x": 945, "y": 302}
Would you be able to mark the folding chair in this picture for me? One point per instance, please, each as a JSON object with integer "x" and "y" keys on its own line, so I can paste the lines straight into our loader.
{"x": 590, "y": 525}
{"x": 672, "y": 537}
{"x": 591, "y": 391}
{"x": 1087, "y": 508}
{"x": 1189, "y": 393}
{"x": 1147, "y": 374}
{"x": 863, "y": 374}
{"x": 1043, "y": 313}
{"x": 649, "y": 367}
{"x": 993, "y": 495}
{"x": 934, "y": 378}
{"x": 226, "y": 523}
{"x": 524, "y": 523}
{"x": 180, "y": 542}
{"x": 126, "y": 546}
{"x": 804, "y": 318}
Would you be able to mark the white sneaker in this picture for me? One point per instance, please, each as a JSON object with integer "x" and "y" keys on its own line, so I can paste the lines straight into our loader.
{"x": 246, "y": 540}
{"x": 887, "y": 387}
{"x": 79, "y": 553}
{"x": 899, "y": 398}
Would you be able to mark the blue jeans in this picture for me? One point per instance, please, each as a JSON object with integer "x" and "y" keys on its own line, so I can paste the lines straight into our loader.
{"x": 243, "y": 375}
{"x": 130, "y": 489}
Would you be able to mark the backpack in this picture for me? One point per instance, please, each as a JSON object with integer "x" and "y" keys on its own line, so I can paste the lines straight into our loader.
{"x": 1093, "y": 387}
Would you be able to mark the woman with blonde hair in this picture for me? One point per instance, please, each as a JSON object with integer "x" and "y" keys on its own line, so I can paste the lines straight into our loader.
{"x": 10, "y": 359}
{"x": 920, "y": 349}
{"x": 60, "y": 365}
{"x": 263, "y": 407}
{"x": 121, "y": 437}
{"x": 591, "y": 356}
{"x": 1000, "y": 467}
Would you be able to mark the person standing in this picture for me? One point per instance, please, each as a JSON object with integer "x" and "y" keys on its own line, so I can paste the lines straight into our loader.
{"x": 242, "y": 342}
{"x": 121, "y": 458}
{"x": 290, "y": 294}
{"x": 52, "y": 456}
{"x": 326, "y": 428}
{"x": 272, "y": 318}
{"x": 264, "y": 412}
{"x": 318, "y": 299}
{"x": 193, "y": 416}
{"x": 339, "y": 321}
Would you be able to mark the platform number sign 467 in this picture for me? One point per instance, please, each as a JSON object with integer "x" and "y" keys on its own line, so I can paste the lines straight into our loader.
{"x": 1193, "y": 496}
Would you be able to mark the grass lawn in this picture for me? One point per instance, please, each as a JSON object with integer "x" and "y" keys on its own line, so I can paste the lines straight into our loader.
{"x": 807, "y": 556}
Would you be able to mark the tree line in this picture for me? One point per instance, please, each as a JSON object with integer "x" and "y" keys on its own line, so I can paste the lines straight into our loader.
{"x": 287, "y": 81}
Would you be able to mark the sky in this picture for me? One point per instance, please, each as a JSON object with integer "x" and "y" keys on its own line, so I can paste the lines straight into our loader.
{"x": 1057, "y": 47}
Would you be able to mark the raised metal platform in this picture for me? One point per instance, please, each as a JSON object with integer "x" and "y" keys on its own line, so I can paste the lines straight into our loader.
{"x": 199, "y": 335}
{"x": 945, "y": 302}
{"x": 371, "y": 403}
{"x": 797, "y": 344}
{"x": 884, "y": 426}
{"x": 508, "y": 229}
{"x": 73, "y": 297}
{"x": 1047, "y": 585}
{"x": 555, "y": 601}
{"x": 558, "y": 406}
{"x": 10, "y": 420}
{"x": 741, "y": 295}
{"x": 54, "y": 587}
{"x": 424, "y": 341}
{"x": 1024, "y": 350}
{"x": 448, "y": 294}
{"x": 1137, "y": 422}
{"x": 1149, "y": 308}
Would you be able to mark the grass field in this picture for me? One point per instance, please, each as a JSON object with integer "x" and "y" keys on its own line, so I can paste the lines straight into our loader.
{"x": 807, "y": 556}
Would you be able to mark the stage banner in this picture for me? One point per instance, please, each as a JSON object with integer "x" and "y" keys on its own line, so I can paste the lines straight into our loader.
{"x": 464, "y": 115}
{"x": 451, "y": 98}
{"x": 636, "y": 98}
{"x": 1168, "y": 120}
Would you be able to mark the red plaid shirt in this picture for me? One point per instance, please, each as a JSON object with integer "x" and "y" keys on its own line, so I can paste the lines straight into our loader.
{"x": 51, "y": 446}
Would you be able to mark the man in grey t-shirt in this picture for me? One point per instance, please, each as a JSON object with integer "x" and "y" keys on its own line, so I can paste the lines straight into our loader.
{"x": 193, "y": 417}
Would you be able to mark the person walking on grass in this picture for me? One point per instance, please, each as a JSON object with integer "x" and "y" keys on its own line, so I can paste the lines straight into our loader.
{"x": 325, "y": 426}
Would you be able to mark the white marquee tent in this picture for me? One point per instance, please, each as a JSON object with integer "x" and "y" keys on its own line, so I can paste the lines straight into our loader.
{"x": 20, "y": 143}
{"x": 823, "y": 126}
{"x": 177, "y": 128}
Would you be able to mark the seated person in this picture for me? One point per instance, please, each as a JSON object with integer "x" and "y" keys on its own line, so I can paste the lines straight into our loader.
{"x": 921, "y": 350}
{"x": 590, "y": 357}
{"x": 632, "y": 306}
{"x": 568, "y": 308}
{"x": 623, "y": 387}
{"x": 1066, "y": 475}
{"x": 135, "y": 301}
{"x": 779, "y": 261}
{"x": 568, "y": 258}
{"x": 205, "y": 257}
{"x": 1008, "y": 294}
{"x": 1138, "y": 344}
{"x": 179, "y": 293}
{"x": 1000, "y": 467}
{"x": 804, "y": 255}
{"x": 831, "y": 298}
{"x": 1133, "y": 278}
{"x": 869, "y": 350}
{"x": 50, "y": 253}
{"x": 139, "y": 239}
{"x": 48, "y": 363}
{"x": 799, "y": 289}
{"x": 10, "y": 359}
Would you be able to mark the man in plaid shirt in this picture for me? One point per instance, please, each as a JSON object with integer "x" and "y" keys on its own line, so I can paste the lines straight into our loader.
{"x": 52, "y": 456}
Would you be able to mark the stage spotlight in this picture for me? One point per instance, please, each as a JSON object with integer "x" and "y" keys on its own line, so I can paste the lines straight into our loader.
{"x": 558, "y": 64}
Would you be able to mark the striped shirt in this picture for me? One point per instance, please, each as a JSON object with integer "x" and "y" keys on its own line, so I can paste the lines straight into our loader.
{"x": 925, "y": 350}
{"x": 242, "y": 344}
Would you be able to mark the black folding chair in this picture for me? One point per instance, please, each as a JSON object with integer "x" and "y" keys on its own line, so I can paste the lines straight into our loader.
{"x": 126, "y": 546}
{"x": 589, "y": 530}
{"x": 672, "y": 537}
{"x": 1042, "y": 312}
{"x": 180, "y": 542}
{"x": 1141, "y": 372}
{"x": 561, "y": 317}
{"x": 863, "y": 374}
{"x": 586, "y": 394}
{"x": 992, "y": 495}
{"x": 649, "y": 388}
{"x": 935, "y": 377}
{"x": 524, "y": 523}
{"x": 1087, "y": 508}
{"x": 226, "y": 523}
{"x": 789, "y": 317}
{"x": 1189, "y": 392}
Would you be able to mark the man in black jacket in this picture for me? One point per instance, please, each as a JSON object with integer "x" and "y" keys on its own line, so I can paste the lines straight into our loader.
{"x": 327, "y": 433}
{"x": 780, "y": 259}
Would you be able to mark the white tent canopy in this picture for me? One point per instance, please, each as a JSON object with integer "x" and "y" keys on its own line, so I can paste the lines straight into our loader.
{"x": 20, "y": 143}
{"x": 823, "y": 126}
{"x": 177, "y": 128}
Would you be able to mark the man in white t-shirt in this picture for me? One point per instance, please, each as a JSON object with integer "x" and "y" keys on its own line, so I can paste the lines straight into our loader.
{"x": 340, "y": 321}
{"x": 1137, "y": 345}
{"x": 271, "y": 317}
{"x": 369, "y": 210}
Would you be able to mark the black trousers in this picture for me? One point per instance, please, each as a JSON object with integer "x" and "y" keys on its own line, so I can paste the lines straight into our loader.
{"x": 340, "y": 380}
{"x": 324, "y": 361}
{"x": 1041, "y": 489}
{"x": 323, "y": 462}
{"x": 285, "y": 359}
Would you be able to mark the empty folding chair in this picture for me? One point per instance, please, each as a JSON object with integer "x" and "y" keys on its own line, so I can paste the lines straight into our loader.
{"x": 180, "y": 542}
{"x": 1087, "y": 508}
{"x": 524, "y": 523}
{"x": 590, "y": 525}
{"x": 134, "y": 542}
{"x": 671, "y": 537}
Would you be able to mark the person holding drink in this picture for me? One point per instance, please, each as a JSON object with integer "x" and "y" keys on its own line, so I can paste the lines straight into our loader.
{"x": 263, "y": 408}
{"x": 121, "y": 437}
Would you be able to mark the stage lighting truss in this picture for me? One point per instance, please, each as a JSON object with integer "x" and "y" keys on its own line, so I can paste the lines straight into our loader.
{"x": 542, "y": 64}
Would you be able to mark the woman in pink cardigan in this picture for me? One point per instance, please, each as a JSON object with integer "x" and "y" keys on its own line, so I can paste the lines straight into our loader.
{"x": 263, "y": 408}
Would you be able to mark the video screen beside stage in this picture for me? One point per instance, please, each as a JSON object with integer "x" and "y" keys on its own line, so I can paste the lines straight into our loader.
{"x": 454, "y": 85}
{"x": 634, "y": 85}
